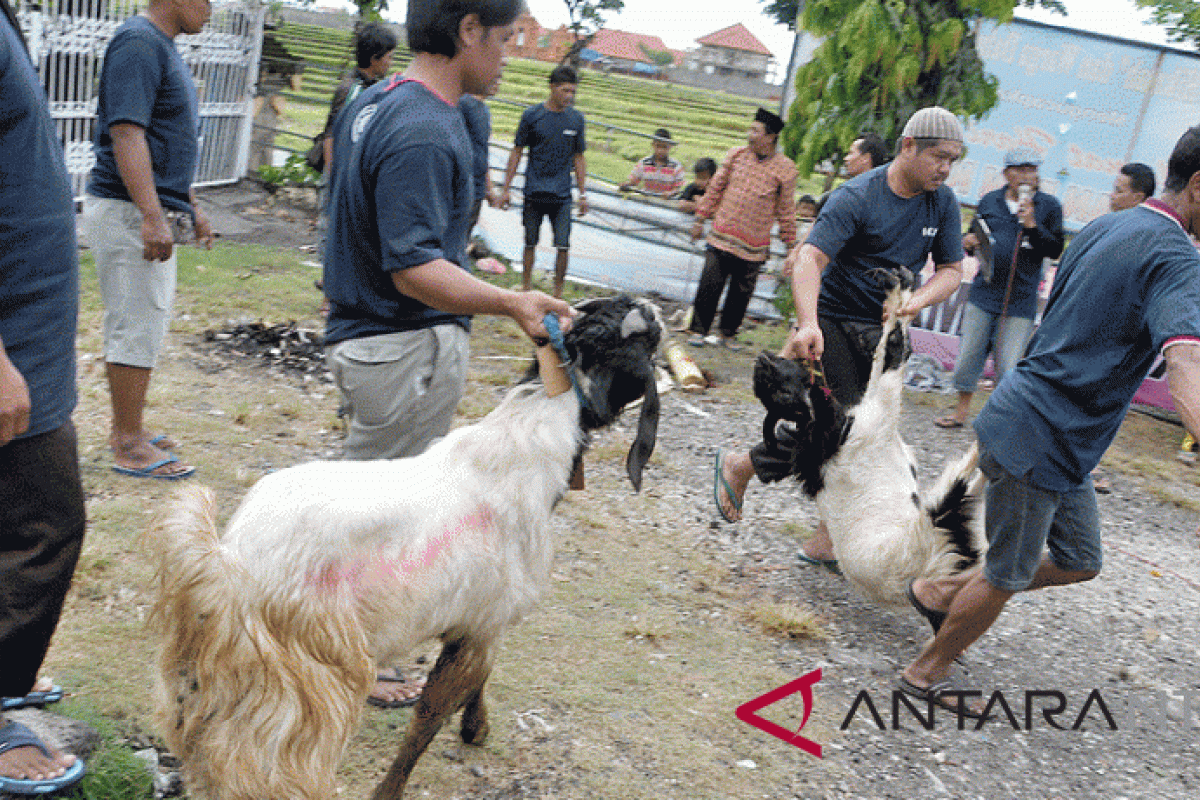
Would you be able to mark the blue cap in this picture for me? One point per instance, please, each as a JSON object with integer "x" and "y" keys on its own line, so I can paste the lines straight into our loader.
{"x": 1020, "y": 157}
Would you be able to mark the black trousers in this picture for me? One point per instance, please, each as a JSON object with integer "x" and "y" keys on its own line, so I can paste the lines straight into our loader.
{"x": 721, "y": 268}
{"x": 846, "y": 362}
{"x": 42, "y": 521}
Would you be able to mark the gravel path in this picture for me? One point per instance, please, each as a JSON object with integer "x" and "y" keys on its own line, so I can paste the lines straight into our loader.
{"x": 1131, "y": 636}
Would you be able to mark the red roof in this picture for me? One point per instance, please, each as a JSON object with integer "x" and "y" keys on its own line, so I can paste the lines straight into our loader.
{"x": 736, "y": 37}
{"x": 622, "y": 44}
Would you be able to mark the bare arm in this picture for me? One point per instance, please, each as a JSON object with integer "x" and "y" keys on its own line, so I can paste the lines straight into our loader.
{"x": 133, "y": 163}
{"x": 14, "y": 400}
{"x": 202, "y": 229}
{"x": 581, "y": 182}
{"x": 510, "y": 171}
{"x": 807, "y": 263}
{"x": 946, "y": 278}
{"x": 1183, "y": 380}
{"x": 442, "y": 285}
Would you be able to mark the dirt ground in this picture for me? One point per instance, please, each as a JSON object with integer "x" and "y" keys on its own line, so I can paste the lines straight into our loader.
{"x": 659, "y": 622}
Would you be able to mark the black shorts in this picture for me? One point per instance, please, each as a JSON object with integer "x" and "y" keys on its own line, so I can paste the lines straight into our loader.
{"x": 559, "y": 212}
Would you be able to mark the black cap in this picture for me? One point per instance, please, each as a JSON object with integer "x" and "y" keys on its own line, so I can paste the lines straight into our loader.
{"x": 770, "y": 121}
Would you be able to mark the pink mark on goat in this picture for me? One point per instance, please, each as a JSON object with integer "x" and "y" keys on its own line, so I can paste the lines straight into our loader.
{"x": 380, "y": 569}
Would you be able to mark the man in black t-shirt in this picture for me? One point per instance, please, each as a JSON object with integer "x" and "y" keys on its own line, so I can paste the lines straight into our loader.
{"x": 892, "y": 217}
{"x": 703, "y": 171}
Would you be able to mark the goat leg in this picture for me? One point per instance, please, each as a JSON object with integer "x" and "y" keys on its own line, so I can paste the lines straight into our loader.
{"x": 474, "y": 719}
{"x": 456, "y": 679}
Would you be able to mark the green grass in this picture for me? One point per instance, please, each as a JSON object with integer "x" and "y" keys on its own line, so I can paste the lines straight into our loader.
{"x": 113, "y": 772}
{"x": 704, "y": 123}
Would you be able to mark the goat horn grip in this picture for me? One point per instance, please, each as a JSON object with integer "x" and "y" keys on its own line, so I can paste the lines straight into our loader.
{"x": 550, "y": 367}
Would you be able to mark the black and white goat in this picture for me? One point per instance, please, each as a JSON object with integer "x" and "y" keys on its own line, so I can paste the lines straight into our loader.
{"x": 863, "y": 476}
{"x": 269, "y": 632}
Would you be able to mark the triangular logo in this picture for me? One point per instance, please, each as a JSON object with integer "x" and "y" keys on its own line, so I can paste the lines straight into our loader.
{"x": 747, "y": 712}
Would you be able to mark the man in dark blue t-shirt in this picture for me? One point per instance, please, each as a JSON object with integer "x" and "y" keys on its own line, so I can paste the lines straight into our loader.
{"x": 1128, "y": 289}
{"x": 400, "y": 291}
{"x": 478, "y": 120}
{"x": 554, "y": 133}
{"x": 893, "y": 217}
{"x": 41, "y": 500}
{"x": 1026, "y": 229}
{"x": 146, "y": 148}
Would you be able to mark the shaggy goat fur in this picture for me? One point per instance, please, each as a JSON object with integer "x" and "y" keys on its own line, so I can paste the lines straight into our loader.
{"x": 863, "y": 476}
{"x": 269, "y": 633}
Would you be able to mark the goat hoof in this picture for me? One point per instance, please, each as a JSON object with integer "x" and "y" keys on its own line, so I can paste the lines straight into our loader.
{"x": 475, "y": 734}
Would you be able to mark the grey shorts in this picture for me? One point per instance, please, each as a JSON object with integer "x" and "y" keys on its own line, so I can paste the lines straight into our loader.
{"x": 1023, "y": 520}
{"x": 137, "y": 294}
{"x": 400, "y": 389}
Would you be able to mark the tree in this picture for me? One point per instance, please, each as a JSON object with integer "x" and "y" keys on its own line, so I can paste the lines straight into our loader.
{"x": 662, "y": 58}
{"x": 370, "y": 10}
{"x": 587, "y": 18}
{"x": 1180, "y": 17}
{"x": 881, "y": 60}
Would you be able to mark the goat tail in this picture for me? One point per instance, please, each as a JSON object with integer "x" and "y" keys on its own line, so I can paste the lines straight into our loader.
{"x": 259, "y": 688}
{"x": 954, "y": 510}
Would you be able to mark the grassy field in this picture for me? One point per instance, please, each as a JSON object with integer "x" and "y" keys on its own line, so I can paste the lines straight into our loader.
{"x": 703, "y": 123}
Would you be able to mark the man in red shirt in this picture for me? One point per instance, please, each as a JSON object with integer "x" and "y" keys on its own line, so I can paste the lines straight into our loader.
{"x": 753, "y": 188}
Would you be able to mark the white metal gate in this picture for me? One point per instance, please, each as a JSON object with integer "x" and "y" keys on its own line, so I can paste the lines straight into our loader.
{"x": 67, "y": 39}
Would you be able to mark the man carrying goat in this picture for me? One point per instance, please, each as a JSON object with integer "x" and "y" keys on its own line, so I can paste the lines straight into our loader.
{"x": 893, "y": 216}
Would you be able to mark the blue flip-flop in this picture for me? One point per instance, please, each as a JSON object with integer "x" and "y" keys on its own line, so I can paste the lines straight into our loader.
{"x": 14, "y": 735}
{"x": 148, "y": 471}
{"x": 157, "y": 441}
{"x": 830, "y": 564}
{"x": 720, "y": 483}
{"x": 33, "y": 699}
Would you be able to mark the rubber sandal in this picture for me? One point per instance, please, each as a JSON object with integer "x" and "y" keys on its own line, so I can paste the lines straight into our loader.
{"x": 14, "y": 735}
{"x": 949, "y": 423}
{"x": 148, "y": 471}
{"x": 935, "y": 618}
{"x": 934, "y": 693}
{"x": 830, "y": 564}
{"x": 720, "y": 483}
{"x": 403, "y": 703}
{"x": 32, "y": 700}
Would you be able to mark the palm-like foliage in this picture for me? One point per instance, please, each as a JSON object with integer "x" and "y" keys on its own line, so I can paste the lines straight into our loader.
{"x": 881, "y": 60}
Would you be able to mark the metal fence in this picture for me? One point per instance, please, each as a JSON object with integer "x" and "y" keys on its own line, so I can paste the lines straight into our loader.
{"x": 67, "y": 39}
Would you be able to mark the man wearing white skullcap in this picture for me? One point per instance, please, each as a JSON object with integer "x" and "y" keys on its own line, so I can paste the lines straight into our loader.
{"x": 889, "y": 218}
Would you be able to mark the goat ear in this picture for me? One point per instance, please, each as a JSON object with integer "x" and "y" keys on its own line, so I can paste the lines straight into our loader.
{"x": 647, "y": 433}
{"x": 634, "y": 322}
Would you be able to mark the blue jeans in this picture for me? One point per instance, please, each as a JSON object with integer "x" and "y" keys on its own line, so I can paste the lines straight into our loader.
{"x": 1022, "y": 520}
{"x": 982, "y": 331}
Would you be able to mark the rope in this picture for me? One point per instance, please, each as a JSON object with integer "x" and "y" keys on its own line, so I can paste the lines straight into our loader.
{"x": 560, "y": 348}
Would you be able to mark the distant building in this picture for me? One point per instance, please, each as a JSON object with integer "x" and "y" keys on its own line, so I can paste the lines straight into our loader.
{"x": 618, "y": 51}
{"x": 637, "y": 53}
{"x": 531, "y": 40}
{"x": 732, "y": 52}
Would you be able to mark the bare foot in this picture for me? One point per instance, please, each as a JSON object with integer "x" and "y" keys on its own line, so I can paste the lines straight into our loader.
{"x": 30, "y": 763}
{"x": 139, "y": 454}
{"x": 394, "y": 690}
{"x": 819, "y": 546}
{"x": 736, "y": 470}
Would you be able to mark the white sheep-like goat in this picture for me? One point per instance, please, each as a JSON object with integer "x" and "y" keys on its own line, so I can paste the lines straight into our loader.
{"x": 863, "y": 476}
{"x": 270, "y": 632}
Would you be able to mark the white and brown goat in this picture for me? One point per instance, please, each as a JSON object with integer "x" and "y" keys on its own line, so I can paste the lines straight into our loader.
{"x": 269, "y": 632}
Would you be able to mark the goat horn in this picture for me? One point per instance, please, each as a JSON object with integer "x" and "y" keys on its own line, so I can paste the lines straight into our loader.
{"x": 634, "y": 322}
